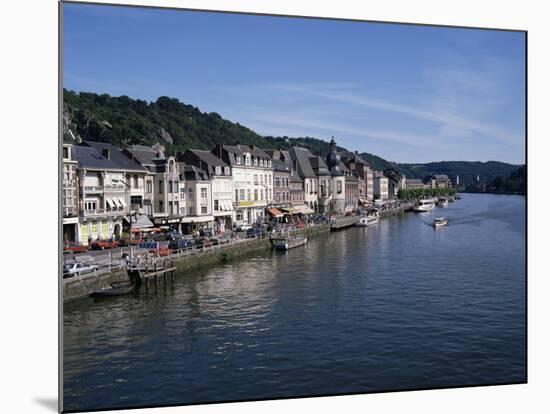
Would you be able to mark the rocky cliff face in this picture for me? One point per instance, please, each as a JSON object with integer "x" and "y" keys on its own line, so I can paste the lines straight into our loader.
{"x": 161, "y": 133}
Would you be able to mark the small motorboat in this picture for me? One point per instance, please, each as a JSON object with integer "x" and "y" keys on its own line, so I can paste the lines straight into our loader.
{"x": 116, "y": 289}
{"x": 443, "y": 203}
{"x": 363, "y": 222}
{"x": 289, "y": 242}
{"x": 424, "y": 205}
{"x": 439, "y": 222}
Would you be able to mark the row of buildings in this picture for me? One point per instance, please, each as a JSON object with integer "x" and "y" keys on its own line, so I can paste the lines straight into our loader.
{"x": 108, "y": 191}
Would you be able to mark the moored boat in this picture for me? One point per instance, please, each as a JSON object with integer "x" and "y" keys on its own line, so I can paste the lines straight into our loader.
{"x": 439, "y": 222}
{"x": 443, "y": 203}
{"x": 363, "y": 222}
{"x": 425, "y": 205}
{"x": 288, "y": 242}
{"x": 116, "y": 289}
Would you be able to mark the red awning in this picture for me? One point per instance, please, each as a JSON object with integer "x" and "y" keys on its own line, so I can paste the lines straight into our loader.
{"x": 275, "y": 213}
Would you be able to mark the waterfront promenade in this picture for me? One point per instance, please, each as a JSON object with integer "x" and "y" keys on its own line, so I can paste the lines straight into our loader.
{"x": 112, "y": 264}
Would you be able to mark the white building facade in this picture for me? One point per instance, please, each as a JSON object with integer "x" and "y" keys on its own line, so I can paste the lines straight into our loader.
{"x": 252, "y": 177}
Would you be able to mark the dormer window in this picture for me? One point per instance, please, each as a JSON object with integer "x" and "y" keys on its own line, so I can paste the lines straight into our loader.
{"x": 238, "y": 160}
{"x": 218, "y": 170}
{"x": 227, "y": 171}
{"x": 247, "y": 159}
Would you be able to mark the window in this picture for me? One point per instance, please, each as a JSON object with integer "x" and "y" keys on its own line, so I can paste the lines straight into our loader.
{"x": 227, "y": 171}
{"x": 261, "y": 179}
{"x": 161, "y": 206}
{"x": 182, "y": 193}
{"x": 135, "y": 201}
{"x": 248, "y": 197}
{"x": 255, "y": 161}
{"x": 190, "y": 191}
{"x": 149, "y": 186}
{"x": 256, "y": 179}
{"x": 191, "y": 211}
{"x": 269, "y": 177}
{"x": 204, "y": 210}
{"x": 238, "y": 159}
{"x": 236, "y": 196}
{"x": 261, "y": 194}
{"x": 256, "y": 195}
{"x": 218, "y": 170}
{"x": 269, "y": 192}
{"x": 65, "y": 152}
{"x": 241, "y": 195}
{"x": 216, "y": 205}
{"x": 170, "y": 208}
{"x": 204, "y": 193}
{"x": 161, "y": 186}
{"x": 339, "y": 187}
{"x": 182, "y": 211}
{"x": 136, "y": 181}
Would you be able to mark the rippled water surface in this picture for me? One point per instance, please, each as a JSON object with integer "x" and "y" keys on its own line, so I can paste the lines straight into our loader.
{"x": 400, "y": 306}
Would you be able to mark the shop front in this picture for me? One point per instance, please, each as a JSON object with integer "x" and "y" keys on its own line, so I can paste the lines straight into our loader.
{"x": 192, "y": 224}
{"x": 70, "y": 229}
{"x": 91, "y": 229}
{"x": 169, "y": 223}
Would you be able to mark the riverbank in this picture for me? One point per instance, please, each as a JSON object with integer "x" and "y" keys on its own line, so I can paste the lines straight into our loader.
{"x": 78, "y": 288}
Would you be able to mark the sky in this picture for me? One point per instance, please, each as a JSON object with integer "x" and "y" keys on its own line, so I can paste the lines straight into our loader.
{"x": 406, "y": 93}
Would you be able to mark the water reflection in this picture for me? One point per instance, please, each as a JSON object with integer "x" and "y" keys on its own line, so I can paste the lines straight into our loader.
{"x": 398, "y": 306}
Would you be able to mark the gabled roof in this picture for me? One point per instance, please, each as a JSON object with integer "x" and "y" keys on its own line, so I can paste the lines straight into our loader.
{"x": 192, "y": 173}
{"x": 208, "y": 158}
{"x": 89, "y": 157}
{"x": 348, "y": 156}
{"x": 280, "y": 166}
{"x": 319, "y": 166}
{"x": 116, "y": 156}
{"x": 146, "y": 157}
{"x": 303, "y": 164}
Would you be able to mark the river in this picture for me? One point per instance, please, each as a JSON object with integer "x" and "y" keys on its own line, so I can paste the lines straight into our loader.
{"x": 400, "y": 306}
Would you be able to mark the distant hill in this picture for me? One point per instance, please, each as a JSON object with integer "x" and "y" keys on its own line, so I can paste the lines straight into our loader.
{"x": 467, "y": 171}
{"x": 124, "y": 121}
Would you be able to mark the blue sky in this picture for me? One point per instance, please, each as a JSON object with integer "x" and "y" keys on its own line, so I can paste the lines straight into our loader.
{"x": 405, "y": 93}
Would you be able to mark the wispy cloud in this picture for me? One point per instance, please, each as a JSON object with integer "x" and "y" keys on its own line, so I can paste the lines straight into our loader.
{"x": 445, "y": 120}
{"x": 332, "y": 128}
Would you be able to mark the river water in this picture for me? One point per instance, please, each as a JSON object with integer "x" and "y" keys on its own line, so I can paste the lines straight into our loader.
{"x": 400, "y": 306}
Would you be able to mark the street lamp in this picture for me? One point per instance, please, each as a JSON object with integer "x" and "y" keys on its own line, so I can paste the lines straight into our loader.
{"x": 130, "y": 215}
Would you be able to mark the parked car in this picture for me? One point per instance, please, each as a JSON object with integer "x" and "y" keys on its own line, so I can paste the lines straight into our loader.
{"x": 181, "y": 244}
{"x": 74, "y": 247}
{"x": 173, "y": 235}
{"x": 130, "y": 242}
{"x": 161, "y": 251}
{"x": 104, "y": 244}
{"x": 77, "y": 269}
{"x": 255, "y": 232}
{"x": 201, "y": 242}
{"x": 216, "y": 240}
{"x": 243, "y": 227}
{"x": 207, "y": 232}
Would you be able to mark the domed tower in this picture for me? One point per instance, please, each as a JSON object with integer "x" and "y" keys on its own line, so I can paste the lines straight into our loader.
{"x": 338, "y": 179}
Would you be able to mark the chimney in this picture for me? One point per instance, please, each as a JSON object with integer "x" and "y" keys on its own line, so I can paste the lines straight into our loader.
{"x": 106, "y": 153}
